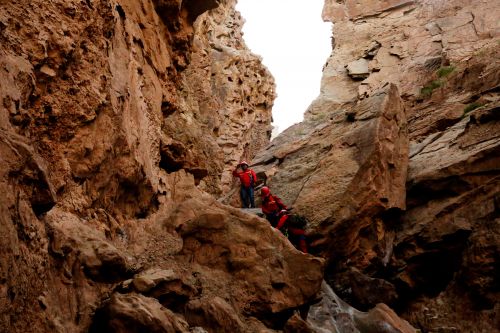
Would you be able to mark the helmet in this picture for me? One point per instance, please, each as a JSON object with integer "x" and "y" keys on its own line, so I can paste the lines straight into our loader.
{"x": 243, "y": 163}
{"x": 264, "y": 191}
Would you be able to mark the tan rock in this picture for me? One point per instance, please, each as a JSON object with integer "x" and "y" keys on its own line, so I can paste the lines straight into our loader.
{"x": 244, "y": 246}
{"x": 29, "y": 168}
{"x": 48, "y": 71}
{"x": 214, "y": 313}
{"x": 351, "y": 9}
{"x": 230, "y": 92}
{"x": 136, "y": 313}
{"x": 170, "y": 288}
{"x": 358, "y": 69}
{"x": 72, "y": 240}
{"x": 382, "y": 319}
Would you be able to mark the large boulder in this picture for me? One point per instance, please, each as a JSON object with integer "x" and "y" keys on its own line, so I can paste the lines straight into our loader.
{"x": 348, "y": 170}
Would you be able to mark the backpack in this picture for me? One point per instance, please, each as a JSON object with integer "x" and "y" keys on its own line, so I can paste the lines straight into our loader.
{"x": 297, "y": 221}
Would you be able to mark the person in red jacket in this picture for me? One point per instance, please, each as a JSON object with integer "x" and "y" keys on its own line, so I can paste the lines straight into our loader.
{"x": 271, "y": 205}
{"x": 296, "y": 233}
{"x": 248, "y": 178}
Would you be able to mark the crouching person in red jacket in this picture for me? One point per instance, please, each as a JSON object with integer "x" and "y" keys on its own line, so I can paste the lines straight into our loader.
{"x": 294, "y": 225}
{"x": 248, "y": 178}
{"x": 271, "y": 205}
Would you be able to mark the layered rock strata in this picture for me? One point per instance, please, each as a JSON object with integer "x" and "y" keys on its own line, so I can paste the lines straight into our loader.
{"x": 116, "y": 120}
{"x": 406, "y": 214}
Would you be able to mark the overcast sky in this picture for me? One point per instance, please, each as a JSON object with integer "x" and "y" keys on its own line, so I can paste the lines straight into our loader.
{"x": 294, "y": 43}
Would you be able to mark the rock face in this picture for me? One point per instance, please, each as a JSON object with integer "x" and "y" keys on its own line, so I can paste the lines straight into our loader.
{"x": 227, "y": 97}
{"x": 396, "y": 163}
{"x": 362, "y": 154}
{"x": 117, "y": 119}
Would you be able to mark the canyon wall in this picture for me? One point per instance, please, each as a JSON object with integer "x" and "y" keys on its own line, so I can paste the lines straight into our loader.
{"x": 396, "y": 164}
{"x": 119, "y": 121}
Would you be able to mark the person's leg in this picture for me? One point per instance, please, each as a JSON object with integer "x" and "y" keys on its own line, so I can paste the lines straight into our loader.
{"x": 298, "y": 239}
{"x": 243, "y": 195}
{"x": 272, "y": 219}
{"x": 251, "y": 197}
{"x": 303, "y": 244}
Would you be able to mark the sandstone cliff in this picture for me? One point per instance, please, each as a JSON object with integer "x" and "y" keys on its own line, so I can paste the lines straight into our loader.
{"x": 397, "y": 162}
{"x": 121, "y": 120}
{"x": 117, "y": 118}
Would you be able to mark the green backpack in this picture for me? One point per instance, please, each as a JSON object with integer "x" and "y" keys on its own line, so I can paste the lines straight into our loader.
{"x": 297, "y": 221}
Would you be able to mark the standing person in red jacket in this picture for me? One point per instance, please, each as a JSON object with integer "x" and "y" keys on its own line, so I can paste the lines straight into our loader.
{"x": 271, "y": 205}
{"x": 248, "y": 179}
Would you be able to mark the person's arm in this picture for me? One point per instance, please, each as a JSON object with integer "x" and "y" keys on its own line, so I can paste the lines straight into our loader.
{"x": 254, "y": 175}
{"x": 280, "y": 203}
{"x": 282, "y": 221}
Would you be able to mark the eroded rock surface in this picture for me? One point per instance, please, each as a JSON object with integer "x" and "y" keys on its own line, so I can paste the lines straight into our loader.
{"x": 117, "y": 119}
{"x": 121, "y": 120}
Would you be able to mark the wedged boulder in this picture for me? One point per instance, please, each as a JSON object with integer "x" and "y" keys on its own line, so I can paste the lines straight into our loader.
{"x": 135, "y": 313}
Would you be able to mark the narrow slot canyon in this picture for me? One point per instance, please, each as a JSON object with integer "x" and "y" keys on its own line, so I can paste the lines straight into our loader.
{"x": 122, "y": 124}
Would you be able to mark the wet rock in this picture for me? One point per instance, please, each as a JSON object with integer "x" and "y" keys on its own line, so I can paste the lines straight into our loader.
{"x": 297, "y": 325}
{"x": 332, "y": 314}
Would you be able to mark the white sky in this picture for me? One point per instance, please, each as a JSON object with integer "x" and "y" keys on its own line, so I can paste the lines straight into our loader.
{"x": 294, "y": 43}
